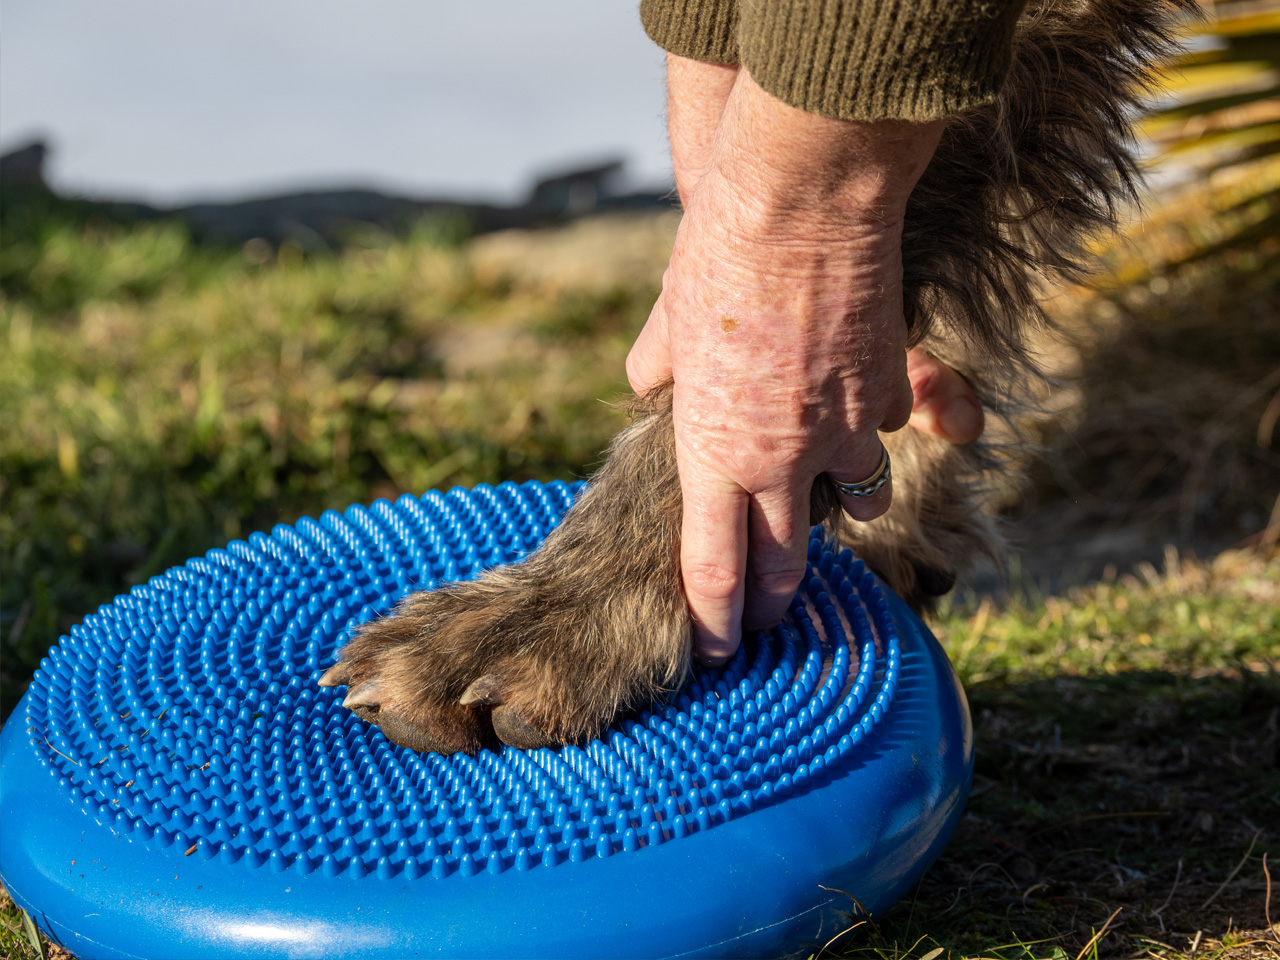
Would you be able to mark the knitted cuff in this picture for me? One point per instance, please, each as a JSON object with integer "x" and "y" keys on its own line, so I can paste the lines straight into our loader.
{"x": 878, "y": 59}
{"x": 698, "y": 29}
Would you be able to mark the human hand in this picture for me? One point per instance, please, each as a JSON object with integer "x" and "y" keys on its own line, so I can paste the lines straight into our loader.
{"x": 943, "y": 403}
{"x": 781, "y": 324}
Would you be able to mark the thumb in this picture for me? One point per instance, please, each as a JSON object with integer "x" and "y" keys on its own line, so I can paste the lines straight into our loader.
{"x": 943, "y": 402}
{"x": 649, "y": 362}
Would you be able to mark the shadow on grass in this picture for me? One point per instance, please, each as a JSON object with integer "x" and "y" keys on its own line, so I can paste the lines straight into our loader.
{"x": 1139, "y": 791}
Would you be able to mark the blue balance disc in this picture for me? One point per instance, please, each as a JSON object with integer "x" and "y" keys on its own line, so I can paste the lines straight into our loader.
{"x": 174, "y": 783}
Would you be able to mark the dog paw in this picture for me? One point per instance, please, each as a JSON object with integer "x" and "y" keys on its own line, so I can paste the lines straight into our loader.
{"x": 530, "y": 655}
{"x": 547, "y": 651}
{"x": 443, "y": 672}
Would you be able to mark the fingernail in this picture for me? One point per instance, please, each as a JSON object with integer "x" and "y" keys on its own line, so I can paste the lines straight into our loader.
{"x": 962, "y": 420}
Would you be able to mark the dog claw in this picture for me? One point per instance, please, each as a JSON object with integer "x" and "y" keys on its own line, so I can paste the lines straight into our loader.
{"x": 336, "y": 676}
{"x": 364, "y": 697}
{"x": 486, "y": 690}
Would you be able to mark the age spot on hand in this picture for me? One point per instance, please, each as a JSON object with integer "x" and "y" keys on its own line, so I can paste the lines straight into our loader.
{"x": 728, "y": 324}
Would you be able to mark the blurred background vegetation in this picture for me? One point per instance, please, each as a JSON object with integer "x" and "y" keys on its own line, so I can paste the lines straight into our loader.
{"x": 161, "y": 395}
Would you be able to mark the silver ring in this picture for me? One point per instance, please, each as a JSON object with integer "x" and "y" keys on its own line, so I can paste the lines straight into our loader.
{"x": 870, "y": 485}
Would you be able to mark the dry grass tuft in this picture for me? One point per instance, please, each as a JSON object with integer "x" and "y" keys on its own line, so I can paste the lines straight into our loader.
{"x": 1163, "y": 408}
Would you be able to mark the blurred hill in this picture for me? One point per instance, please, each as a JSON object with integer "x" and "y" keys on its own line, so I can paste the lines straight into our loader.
{"x": 318, "y": 218}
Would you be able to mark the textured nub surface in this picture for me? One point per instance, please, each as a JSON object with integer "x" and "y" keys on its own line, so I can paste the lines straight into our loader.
{"x": 186, "y": 714}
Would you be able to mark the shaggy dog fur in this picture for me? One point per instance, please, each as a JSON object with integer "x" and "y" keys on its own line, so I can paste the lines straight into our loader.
{"x": 550, "y": 651}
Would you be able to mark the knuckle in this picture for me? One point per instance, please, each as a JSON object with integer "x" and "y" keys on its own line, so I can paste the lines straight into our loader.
{"x": 870, "y": 405}
{"x": 710, "y": 581}
{"x": 632, "y": 367}
{"x": 777, "y": 581}
{"x": 784, "y": 457}
{"x": 899, "y": 411}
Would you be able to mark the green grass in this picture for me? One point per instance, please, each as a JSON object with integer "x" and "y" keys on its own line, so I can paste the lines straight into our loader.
{"x": 1189, "y": 618}
{"x": 15, "y": 942}
{"x": 1128, "y": 756}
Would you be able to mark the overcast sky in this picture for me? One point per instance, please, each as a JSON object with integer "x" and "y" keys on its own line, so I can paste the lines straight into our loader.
{"x": 175, "y": 100}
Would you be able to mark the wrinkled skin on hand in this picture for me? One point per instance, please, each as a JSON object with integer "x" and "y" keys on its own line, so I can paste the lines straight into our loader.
{"x": 780, "y": 323}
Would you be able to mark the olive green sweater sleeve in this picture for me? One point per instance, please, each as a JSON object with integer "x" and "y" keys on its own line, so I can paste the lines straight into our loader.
{"x": 851, "y": 59}
{"x": 698, "y": 29}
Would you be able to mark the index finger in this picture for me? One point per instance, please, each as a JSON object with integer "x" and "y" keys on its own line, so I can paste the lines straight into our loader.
{"x": 713, "y": 560}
